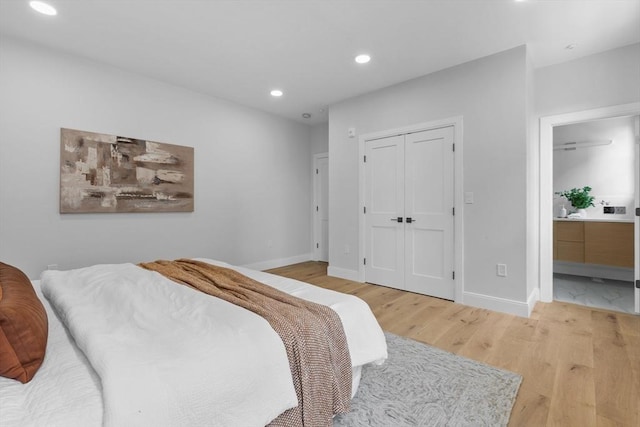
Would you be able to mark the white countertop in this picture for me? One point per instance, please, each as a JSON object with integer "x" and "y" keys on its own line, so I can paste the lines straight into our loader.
{"x": 630, "y": 220}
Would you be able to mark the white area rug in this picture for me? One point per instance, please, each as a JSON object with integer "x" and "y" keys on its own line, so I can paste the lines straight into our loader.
{"x": 420, "y": 385}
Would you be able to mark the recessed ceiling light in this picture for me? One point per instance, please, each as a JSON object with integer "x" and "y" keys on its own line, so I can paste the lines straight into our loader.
{"x": 363, "y": 59}
{"x": 44, "y": 8}
{"x": 306, "y": 115}
{"x": 276, "y": 92}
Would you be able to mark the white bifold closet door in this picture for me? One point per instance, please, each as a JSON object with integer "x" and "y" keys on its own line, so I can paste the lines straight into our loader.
{"x": 409, "y": 202}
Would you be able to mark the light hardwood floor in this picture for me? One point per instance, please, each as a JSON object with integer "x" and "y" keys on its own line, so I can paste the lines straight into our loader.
{"x": 580, "y": 366}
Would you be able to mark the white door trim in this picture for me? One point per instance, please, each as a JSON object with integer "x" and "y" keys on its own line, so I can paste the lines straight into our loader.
{"x": 457, "y": 123}
{"x": 317, "y": 231}
{"x": 546, "y": 181}
{"x": 636, "y": 222}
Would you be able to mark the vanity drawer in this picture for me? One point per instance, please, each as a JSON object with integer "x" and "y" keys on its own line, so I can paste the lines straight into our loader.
{"x": 570, "y": 251}
{"x": 609, "y": 243}
{"x": 594, "y": 242}
{"x": 569, "y": 231}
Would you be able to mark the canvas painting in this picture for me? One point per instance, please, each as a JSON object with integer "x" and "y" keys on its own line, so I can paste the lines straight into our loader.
{"x": 108, "y": 173}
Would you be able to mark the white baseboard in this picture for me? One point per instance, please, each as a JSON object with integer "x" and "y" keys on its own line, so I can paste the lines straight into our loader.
{"x": 593, "y": 270}
{"x": 503, "y": 305}
{"x": 532, "y": 300}
{"x": 343, "y": 273}
{"x": 280, "y": 262}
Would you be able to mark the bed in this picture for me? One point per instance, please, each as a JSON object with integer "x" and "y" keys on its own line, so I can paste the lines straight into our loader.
{"x": 112, "y": 360}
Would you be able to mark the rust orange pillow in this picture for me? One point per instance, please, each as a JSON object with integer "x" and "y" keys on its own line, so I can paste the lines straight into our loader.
{"x": 23, "y": 326}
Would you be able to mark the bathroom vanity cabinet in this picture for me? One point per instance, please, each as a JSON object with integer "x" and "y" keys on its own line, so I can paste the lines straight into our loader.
{"x": 594, "y": 242}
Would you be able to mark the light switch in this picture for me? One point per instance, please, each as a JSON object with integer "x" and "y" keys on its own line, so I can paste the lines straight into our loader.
{"x": 468, "y": 197}
{"x": 501, "y": 270}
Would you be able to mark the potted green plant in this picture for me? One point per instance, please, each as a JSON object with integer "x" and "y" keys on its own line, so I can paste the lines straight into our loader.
{"x": 579, "y": 199}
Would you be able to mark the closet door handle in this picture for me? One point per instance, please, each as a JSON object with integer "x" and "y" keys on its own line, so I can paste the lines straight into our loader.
{"x": 399, "y": 219}
{"x": 410, "y": 220}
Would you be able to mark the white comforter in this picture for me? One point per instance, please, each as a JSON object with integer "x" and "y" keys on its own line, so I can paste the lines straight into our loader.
{"x": 167, "y": 355}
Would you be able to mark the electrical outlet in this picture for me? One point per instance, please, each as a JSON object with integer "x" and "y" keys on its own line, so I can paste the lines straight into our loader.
{"x": 347, "y": 249}
{"x": 620, "y": 210}
{"x": 609, "y": 210}
{"x": 501, "y": 270}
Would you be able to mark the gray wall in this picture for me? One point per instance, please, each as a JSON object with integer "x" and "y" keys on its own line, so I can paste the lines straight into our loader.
{"x": 608, "y": 78}
{"x": 319, "y": 138}
{"x": 252, "y": 179}
{"x": 491, "y": 95}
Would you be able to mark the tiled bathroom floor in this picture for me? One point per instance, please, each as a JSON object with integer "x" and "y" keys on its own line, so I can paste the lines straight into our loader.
{"x": 608, "y": 294}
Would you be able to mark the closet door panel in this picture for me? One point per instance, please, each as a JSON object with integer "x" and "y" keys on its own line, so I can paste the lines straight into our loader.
{"x": 429, "y": 204}
{"x": 427, "y": 260}
{"x": 384, "y": 200}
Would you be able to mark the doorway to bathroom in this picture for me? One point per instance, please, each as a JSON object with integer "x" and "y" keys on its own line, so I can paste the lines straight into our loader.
{"x": 593, "y": 248}
{"x": 591, "y": 260}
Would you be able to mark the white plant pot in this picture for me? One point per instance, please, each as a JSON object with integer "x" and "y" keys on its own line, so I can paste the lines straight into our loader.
{"x": 582, "y": 212}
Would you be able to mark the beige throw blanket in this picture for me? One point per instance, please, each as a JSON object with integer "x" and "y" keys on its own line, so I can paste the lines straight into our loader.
{"x": 312, "y": 334}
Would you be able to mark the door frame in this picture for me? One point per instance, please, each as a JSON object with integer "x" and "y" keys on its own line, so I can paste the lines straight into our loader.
{"x": 547, "y": 124}
{"x": 458, "y": 229}
{"x": 636, "y": 222}
{"x": 317, "y": 229}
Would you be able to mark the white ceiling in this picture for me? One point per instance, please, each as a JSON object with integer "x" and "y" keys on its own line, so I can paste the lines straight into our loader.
{"x": 240, "y": 49}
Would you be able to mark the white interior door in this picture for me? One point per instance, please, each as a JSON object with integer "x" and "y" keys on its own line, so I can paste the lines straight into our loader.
{"x": 384, "y": 204}
{"x": 409, "y": 198}
{"x": 429, "y": 213}
{"x": 321, "y": 208}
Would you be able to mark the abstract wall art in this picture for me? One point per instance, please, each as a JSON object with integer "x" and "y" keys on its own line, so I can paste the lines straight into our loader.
{"x": 108, "y": 173}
